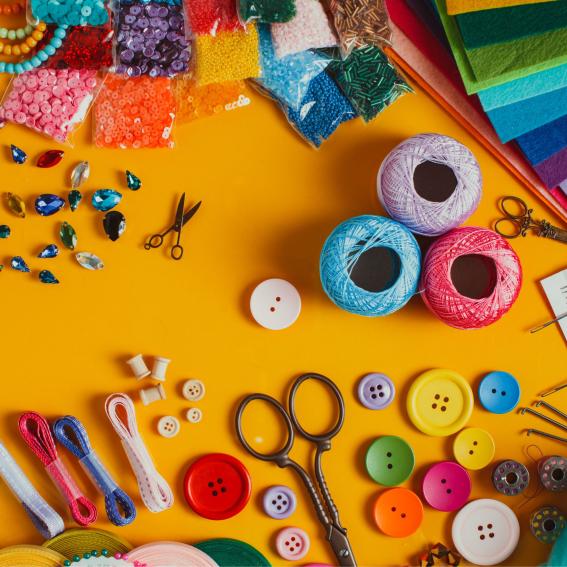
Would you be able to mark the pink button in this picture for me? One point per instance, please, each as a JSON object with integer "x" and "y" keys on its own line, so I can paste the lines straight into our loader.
{"x": 446, "y": 486}
{"x": 292, "y": 544}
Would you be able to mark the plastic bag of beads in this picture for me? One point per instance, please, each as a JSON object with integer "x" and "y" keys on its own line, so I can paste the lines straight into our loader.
{"x": 288, "y": 78}
{"x": 229, "y": 56}
{"x": 309, "y": 29}
{"x": 69, "y": 12}
{"x": 359, "y": 23}
{"x": 151, "y": 39}
{"x": 209, "y": 17}
{"x": 134, "y": 112}
{"x": 369, "y": 81}
{"x": 266, "y": 11}
{"x": 194, "y": 101}
{"x": 53, "y": 102}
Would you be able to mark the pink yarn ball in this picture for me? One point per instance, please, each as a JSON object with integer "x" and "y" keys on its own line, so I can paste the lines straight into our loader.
{"x": 439, "y": 291}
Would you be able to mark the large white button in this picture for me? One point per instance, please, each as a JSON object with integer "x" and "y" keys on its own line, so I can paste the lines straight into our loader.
{"x": 486, "y": 532}
{"x": 193, "y": 390}
{"x": 275, "y": 304}
{"x": 168, "y": 426}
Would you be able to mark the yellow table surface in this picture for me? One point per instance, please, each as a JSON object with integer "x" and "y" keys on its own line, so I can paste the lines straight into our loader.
{"x": 269, "y": 202}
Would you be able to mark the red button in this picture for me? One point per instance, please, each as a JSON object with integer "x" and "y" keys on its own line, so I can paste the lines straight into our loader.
{"x": 217, "y": 486}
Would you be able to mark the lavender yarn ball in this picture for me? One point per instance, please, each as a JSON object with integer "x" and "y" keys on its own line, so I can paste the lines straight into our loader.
{"x": 431, "y": 183}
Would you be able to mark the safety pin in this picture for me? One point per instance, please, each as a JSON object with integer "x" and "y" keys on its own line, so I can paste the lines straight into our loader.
{"x": 551, "y": 408}
{"x": 544, "y": 417}
{"x": 545, "y": 434}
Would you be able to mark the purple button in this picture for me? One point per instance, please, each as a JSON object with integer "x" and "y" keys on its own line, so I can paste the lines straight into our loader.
{"x": 279, "y": 502}
{"x": 446, "y": 486}
{"x": 376, "y": 391}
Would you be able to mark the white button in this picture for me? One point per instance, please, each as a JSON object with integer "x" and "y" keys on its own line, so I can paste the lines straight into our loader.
{"x": 194, "y": 415}
{"x": 193, "y": 390}
{"x": 486, "y": 532}
{"x": 168, "y": 426}
{"x": 275, "y": 304}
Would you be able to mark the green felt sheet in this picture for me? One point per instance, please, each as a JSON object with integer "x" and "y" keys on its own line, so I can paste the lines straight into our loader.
{"x": 495, "y": 65}
{"x": 489, "y": 27}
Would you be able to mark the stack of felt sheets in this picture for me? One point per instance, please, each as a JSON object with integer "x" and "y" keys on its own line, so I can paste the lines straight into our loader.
{"x": 500, "y": 67}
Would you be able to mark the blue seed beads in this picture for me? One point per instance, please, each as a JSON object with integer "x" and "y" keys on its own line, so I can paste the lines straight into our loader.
{"x": 70, "y": 12}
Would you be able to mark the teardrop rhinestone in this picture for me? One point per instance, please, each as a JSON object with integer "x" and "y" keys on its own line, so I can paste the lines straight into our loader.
{"x": 5, "y": 231}
{"x": 16, "y": 204}
{"x": 19, "y": 264}
{"x": 18, "y": 155}
{"x": 74, "y": 197}
{"x": 114, "y": 224}
{"x": 48, "y": 204}
{"x": 80, "y": 174}
{"x": 89, "y": 261}
{"x": 45, "y": 276}
{"x": 106, "y": 199}
{"x": 50, "y": 251}
{"x": 68, "y": 236}
{"x": 50, "y": 158}
{"x": 134, "y": 183}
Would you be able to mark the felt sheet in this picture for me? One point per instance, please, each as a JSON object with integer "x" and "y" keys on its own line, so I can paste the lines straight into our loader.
{"x": 553, "y": 170}
{"x": 542, "y": 143}
{"x": 427, "y": 14}
{"x": 462, "y": 6}
{"x": 521, "y": 117}
{"x": 489, "y": 27}
{"x": 495, "y": 65}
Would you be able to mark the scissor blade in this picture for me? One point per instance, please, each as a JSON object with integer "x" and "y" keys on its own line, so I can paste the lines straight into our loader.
{"x": 179, "y": 214}
{"x": 191, "y": 212}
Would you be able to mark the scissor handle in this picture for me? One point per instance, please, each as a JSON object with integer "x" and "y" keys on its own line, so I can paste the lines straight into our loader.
{"x": 278, "y": 456}
{"x": 322, "y": 437}
{"x": 516, "y": 230}
{"x": 524, "y": 209}
{"x": 154, "y": 241}
{"x": 176, "y": 252}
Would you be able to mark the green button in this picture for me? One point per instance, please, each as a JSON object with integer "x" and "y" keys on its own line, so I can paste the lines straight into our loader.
{"x": 389, "y": 460}
{"x": 232, "y": 553}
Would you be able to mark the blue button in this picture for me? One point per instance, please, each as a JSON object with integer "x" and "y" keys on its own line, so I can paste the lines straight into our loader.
{"x": 499, "y": 392}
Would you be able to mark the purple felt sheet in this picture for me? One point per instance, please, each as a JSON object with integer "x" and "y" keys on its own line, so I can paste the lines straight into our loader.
{"x": 553, "y": 170}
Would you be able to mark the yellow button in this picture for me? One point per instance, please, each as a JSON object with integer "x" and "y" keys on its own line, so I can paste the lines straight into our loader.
{"x": 474, "y": 448}
{"x": 440, "y": 402}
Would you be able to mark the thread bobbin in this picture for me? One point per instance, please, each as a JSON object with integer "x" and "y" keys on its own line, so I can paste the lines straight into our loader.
{"x": 510, "y": 477}
{"x": 153, "y": 394}
{"x": 138, "y": 366}
{"x": 553, "y": 473}
{"x": 547, "y": 523}
{"x": 159, "y": 368}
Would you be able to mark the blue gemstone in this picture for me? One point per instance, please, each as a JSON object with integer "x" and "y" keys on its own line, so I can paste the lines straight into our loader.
{"x": 50, "y": 251}
{"x": 4, "y": 231}
{"x": 19, "y": 264}
{"x": 106, "y": 199}
{"x": 134, "y": 183}
{"x": 48, "y": 204}
{"x": 74, "y": 198}
{"x": 45, "y": 276}
{"x": 18, "y": 155}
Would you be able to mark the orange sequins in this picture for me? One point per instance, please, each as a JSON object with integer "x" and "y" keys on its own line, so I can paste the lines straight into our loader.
{"x": 134, "y": 113}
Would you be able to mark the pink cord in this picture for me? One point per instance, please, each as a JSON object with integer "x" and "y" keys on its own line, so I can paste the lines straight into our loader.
{"x": 37, "y": 435}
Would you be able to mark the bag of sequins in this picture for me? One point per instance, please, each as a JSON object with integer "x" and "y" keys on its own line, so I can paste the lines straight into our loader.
{"x": 266, "y": 11}
{"x": 53, "y": 102}
{"x": 151, "y": 38}
{"x": 65, "y": 13}
{"x": 210, "y": 17}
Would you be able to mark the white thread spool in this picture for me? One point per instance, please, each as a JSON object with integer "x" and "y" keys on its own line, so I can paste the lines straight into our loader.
{"x": 159, "y": 368}
{"x": 138, "y": 366}
{"x": 153, "y": 394}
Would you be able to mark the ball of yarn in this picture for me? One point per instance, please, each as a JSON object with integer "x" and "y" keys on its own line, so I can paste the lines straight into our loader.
{"x": 431, "y": 183}
{"x": 447, "y": 288}
{"x": 370, "y": 265}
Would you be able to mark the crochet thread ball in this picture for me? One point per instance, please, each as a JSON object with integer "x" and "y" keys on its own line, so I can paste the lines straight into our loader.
{"x": 444, "y": 277}
{"x": 431, "y": 183}
{"x": 370, "y": 265}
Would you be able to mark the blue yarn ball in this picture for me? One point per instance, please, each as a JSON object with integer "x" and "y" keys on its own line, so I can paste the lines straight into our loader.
{"x": 346, "y": 246}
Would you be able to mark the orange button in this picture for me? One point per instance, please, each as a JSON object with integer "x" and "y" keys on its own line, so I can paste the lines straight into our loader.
{"x": 398, "y": 512}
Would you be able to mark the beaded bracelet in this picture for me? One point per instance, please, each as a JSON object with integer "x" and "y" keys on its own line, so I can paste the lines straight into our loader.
{"x": 36, "y": 35}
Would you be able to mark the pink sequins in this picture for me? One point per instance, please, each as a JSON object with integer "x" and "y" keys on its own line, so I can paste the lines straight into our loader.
{"x": 53, "y": 102}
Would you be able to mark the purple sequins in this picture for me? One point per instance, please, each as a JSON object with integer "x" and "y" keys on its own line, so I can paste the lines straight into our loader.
{"x": 151, "y": 40}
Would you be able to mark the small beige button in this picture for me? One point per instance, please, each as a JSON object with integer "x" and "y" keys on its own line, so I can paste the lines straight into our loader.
{"x": 193, "y": 390}
{"x": 168, "y": 426}
{"x": 194, "y": 415}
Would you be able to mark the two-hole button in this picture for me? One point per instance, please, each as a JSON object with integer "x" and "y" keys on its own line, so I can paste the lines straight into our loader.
{"x": 398, "y": 512}
{"x": 389, "y": 460}
{"x": 474, "y": 448}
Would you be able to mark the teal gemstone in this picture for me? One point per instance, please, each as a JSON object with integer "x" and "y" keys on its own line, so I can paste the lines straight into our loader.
{"x": 4, "y": 231}
{"x": 68, "y": 235}
{"x": 19, "y": 264}
{"x": 106, "y": 199}
{"x": 74, "y": 199}
{"x": 45, "y": 276}
{"x": 134, "y": 183}
{"x": 50, "y": 251}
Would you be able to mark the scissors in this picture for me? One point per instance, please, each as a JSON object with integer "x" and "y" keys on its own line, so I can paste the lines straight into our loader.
{"x": 329, "y": 516}
{"x": 517, "y": 222}
{"x": 181, "y": 219}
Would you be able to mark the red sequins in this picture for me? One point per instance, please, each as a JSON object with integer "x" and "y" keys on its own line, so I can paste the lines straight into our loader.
{"x": 212, "y": 16}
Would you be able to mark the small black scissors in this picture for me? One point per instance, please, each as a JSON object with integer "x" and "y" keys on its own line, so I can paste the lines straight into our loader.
{"x": 181, "y": 219}
{"x": 329, "y": 517}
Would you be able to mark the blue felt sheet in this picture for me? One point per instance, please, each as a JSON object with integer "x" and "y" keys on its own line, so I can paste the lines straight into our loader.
{"x": 543, "y": 142}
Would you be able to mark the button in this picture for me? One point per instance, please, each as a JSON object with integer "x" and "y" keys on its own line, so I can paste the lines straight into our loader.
{"x": 389, "y": 460}
{"x": 376, "y": 391}
{"x": 499, "y": 392}
{"x": 232, "y": 553}
{"x": 446, "y": 486}
{"x": 193, "y": 390}
{"x": 292, "y": 544}
{"x": 486, "y": 532}
{"x": 547, "y": 523}
{"x": 474, "y": 448}
{"x": 440, "y": 402}
{"x": 194, "y": 415}
{"x": 279, "y": 502}
{"x": 510, "y": 477}
{"x": 275, "y": 304}
{"x": 217, "y": 486}
{"x": 398, "y": 512}
{"x": 168, "y": 426}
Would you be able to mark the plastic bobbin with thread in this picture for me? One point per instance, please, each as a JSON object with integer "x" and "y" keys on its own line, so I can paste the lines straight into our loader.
{"x": 71, "y": 433}
{"x": 80, "y": 541}
{"x": 153, "y": 394}
{"x": 46, "y": 520}
{"x": 156, "y": 493}
{"x": 170, "y": 553}
{"x": 547, "y": 523}
{"x": 553, "y": 473}
{"x": 510, "y": 477}
{"x": 37, "y": 435}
